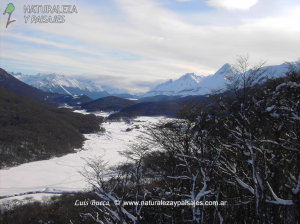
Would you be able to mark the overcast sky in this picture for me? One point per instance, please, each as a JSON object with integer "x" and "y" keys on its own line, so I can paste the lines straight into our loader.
{"x": 133, "y": 43}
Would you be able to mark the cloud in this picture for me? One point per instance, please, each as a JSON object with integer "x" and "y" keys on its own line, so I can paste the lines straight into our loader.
{"x": 233, "y": 4}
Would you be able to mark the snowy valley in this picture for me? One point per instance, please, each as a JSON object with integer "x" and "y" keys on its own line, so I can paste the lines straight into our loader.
{"x": 62, "y": 174}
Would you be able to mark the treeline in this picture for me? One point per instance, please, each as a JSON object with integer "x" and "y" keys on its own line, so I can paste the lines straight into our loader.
{"x": 32, "y": 131}
{"x": 169, "y": 109}
{"x": 129, "y": 109}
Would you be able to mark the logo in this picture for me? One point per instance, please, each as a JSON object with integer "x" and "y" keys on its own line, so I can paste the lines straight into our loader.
{"x": 9, "y": 10}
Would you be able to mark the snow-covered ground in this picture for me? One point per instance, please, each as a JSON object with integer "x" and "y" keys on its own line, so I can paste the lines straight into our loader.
{"x": 62, "y": 173}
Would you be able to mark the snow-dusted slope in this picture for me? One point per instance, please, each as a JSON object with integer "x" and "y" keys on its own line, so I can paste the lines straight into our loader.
{"x": 58, "y": 83}
{"x": 68, "y": 85}
{"x": 50, "y": 81}
{"x": 187, "y": 82}
{"x": 192, "y": 84}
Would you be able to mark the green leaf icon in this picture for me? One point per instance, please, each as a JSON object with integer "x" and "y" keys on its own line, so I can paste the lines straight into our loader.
{"x": 9, "y": 9}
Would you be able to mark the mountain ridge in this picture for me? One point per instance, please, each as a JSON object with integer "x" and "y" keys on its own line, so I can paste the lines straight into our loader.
{"x": 187, "y": 84}
{"x": 192, "y": 84}
{"x": 56, "y": 83}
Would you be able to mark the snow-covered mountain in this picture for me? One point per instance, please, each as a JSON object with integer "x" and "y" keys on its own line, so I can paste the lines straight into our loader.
{"x": 69, "y": 85}
{"x": 192, "y": 84}
{"x": 188, "y": 84}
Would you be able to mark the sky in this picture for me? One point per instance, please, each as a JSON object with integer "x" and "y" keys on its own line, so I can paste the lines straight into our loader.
{"x": 135, "y": 44}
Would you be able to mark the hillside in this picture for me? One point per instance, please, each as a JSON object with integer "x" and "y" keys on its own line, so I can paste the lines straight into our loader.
{"x": 9, "y": 82}
{"x": 32, "y": 131}
{"x": 72, "y": 100}
{"x": 110, "y": 103}
{"x": 158, "y": 98}
{"x": 177, "y": 99}
{"x": 169, "y": 109}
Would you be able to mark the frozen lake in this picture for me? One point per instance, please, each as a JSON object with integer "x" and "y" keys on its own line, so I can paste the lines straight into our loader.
{"x": 62, "y": 173}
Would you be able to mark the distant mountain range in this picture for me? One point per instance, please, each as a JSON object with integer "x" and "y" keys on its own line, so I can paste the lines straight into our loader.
{"x": 55, "y": 83}
{"x": 192, "y": 84}
{"x": 11, "y": 83}
{"x": 187, "y": 85}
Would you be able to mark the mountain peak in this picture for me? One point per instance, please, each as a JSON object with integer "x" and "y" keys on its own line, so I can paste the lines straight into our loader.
{"x": 190, "y": 76}
{"x": 224, "y": 70}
